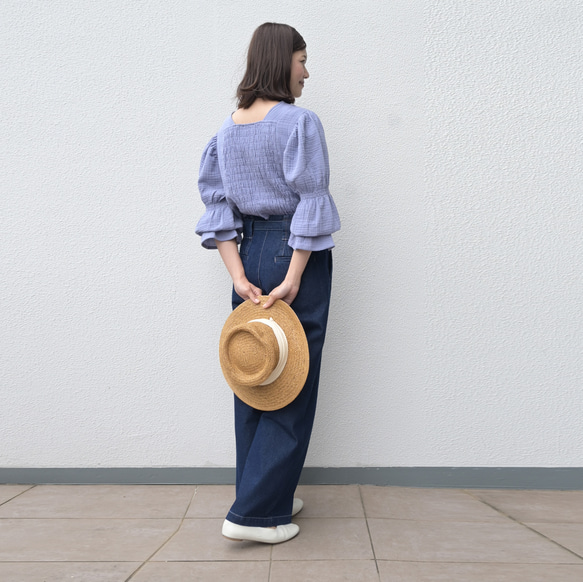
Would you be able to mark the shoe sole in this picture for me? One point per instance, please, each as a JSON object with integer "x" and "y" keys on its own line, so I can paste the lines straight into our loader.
{"x": 257, "y": 541}
{"x": 240, "y": 540}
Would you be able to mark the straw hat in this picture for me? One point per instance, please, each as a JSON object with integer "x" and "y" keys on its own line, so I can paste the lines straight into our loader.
{"x": 264, "y": 354}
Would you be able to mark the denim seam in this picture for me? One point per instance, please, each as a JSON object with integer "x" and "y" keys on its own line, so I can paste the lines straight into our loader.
{"x": 249, "y": 518}
{"x": 259, "y": 263}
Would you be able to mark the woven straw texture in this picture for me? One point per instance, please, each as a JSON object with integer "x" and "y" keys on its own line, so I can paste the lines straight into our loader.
{"x": 249, "y": 352}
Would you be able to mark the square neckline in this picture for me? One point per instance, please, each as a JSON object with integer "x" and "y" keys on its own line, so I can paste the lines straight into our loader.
{"x": 233, "y": 122}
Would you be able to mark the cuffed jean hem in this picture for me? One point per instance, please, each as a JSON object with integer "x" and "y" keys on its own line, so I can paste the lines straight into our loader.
{"x": 259, "y": 521}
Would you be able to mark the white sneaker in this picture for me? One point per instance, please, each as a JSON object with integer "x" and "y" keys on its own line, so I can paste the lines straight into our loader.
{"x": 266, "y": 535}
{"x": 297, "y": 506}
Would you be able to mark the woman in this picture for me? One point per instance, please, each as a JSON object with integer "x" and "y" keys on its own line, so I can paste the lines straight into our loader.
{"x": 264, "y": 181}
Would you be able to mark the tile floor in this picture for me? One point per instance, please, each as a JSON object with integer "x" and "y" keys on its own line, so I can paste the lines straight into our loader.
{"x": 154, "y": 533}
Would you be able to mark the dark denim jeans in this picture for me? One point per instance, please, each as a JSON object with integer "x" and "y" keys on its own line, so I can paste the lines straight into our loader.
{"x": 272, "y": 446}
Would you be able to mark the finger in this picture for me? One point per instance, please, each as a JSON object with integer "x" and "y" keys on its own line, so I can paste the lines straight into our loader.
{"x": 249, "y": 293}
{"x": 255, "y": 294}
{"x": 270, "y": 301}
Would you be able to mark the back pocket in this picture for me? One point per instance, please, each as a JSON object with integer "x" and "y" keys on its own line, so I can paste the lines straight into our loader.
{"x": 285, "y": 252}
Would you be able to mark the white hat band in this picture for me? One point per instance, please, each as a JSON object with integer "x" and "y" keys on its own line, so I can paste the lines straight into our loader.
{"x": 283, "y": 348}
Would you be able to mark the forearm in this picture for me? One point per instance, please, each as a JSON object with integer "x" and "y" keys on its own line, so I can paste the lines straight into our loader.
{"x": 230, "y": 255}
{"x": 297, "y": 266}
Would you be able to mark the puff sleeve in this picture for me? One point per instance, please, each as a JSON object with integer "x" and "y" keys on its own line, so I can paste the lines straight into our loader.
{"x": 307, "y": 172}
{"x": 220, "y": 221}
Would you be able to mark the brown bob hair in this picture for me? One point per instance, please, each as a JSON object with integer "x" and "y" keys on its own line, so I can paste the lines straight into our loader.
{"x": 269, "y": 64}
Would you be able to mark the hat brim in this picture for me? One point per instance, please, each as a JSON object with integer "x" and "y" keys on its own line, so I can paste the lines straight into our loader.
{"x": 293, "y": 377}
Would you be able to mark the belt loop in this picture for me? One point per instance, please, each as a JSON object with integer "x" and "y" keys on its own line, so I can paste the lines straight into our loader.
{"x": 247, "y": 226}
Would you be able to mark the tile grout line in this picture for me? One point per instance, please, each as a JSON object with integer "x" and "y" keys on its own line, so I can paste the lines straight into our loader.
{"x": 270, "y": 564}
{"x": 18, "y": 495}
{"x": 368, "y": 530}
{"x": 168, "y": 540}
{"x": 524, "y": 525}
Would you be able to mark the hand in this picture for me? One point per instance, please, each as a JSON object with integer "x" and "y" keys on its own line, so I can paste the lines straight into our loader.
{"x": 247, "y": 290}
{"x": 287, "y": 292}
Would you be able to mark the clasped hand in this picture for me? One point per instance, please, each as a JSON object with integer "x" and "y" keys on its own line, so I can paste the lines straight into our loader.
{"x": 286, "y": 291}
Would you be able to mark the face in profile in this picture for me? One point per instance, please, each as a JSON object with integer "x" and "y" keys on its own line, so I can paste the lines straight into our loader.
{"x": 298, "y": 72}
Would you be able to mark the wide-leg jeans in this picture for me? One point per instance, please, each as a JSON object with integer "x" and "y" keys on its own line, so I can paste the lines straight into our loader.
{"x": 271, "y": 446}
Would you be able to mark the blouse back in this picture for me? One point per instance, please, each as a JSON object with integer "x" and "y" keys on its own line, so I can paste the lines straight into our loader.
{"x": 271, "y": 167}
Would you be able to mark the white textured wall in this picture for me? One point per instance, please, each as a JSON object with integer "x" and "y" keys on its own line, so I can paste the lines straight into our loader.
{"x": 454, "y": 132}
{"x": 504, "y": 204}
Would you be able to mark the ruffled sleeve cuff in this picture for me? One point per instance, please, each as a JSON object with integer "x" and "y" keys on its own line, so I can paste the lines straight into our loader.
{"x": 311, "y": 243}
{"x": 221, "y": 223}
{"x": 314, "y": 220}
{"x": 208, "y": 239}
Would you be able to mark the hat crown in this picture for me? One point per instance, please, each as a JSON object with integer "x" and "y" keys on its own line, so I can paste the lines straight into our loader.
{"x": 252, "y": 353}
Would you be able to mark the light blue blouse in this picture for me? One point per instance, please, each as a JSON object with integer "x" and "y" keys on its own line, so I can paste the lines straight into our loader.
{"x": 272, "y": 167}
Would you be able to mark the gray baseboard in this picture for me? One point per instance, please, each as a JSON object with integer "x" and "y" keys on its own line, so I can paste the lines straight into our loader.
{"x": 456, "y": 477}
